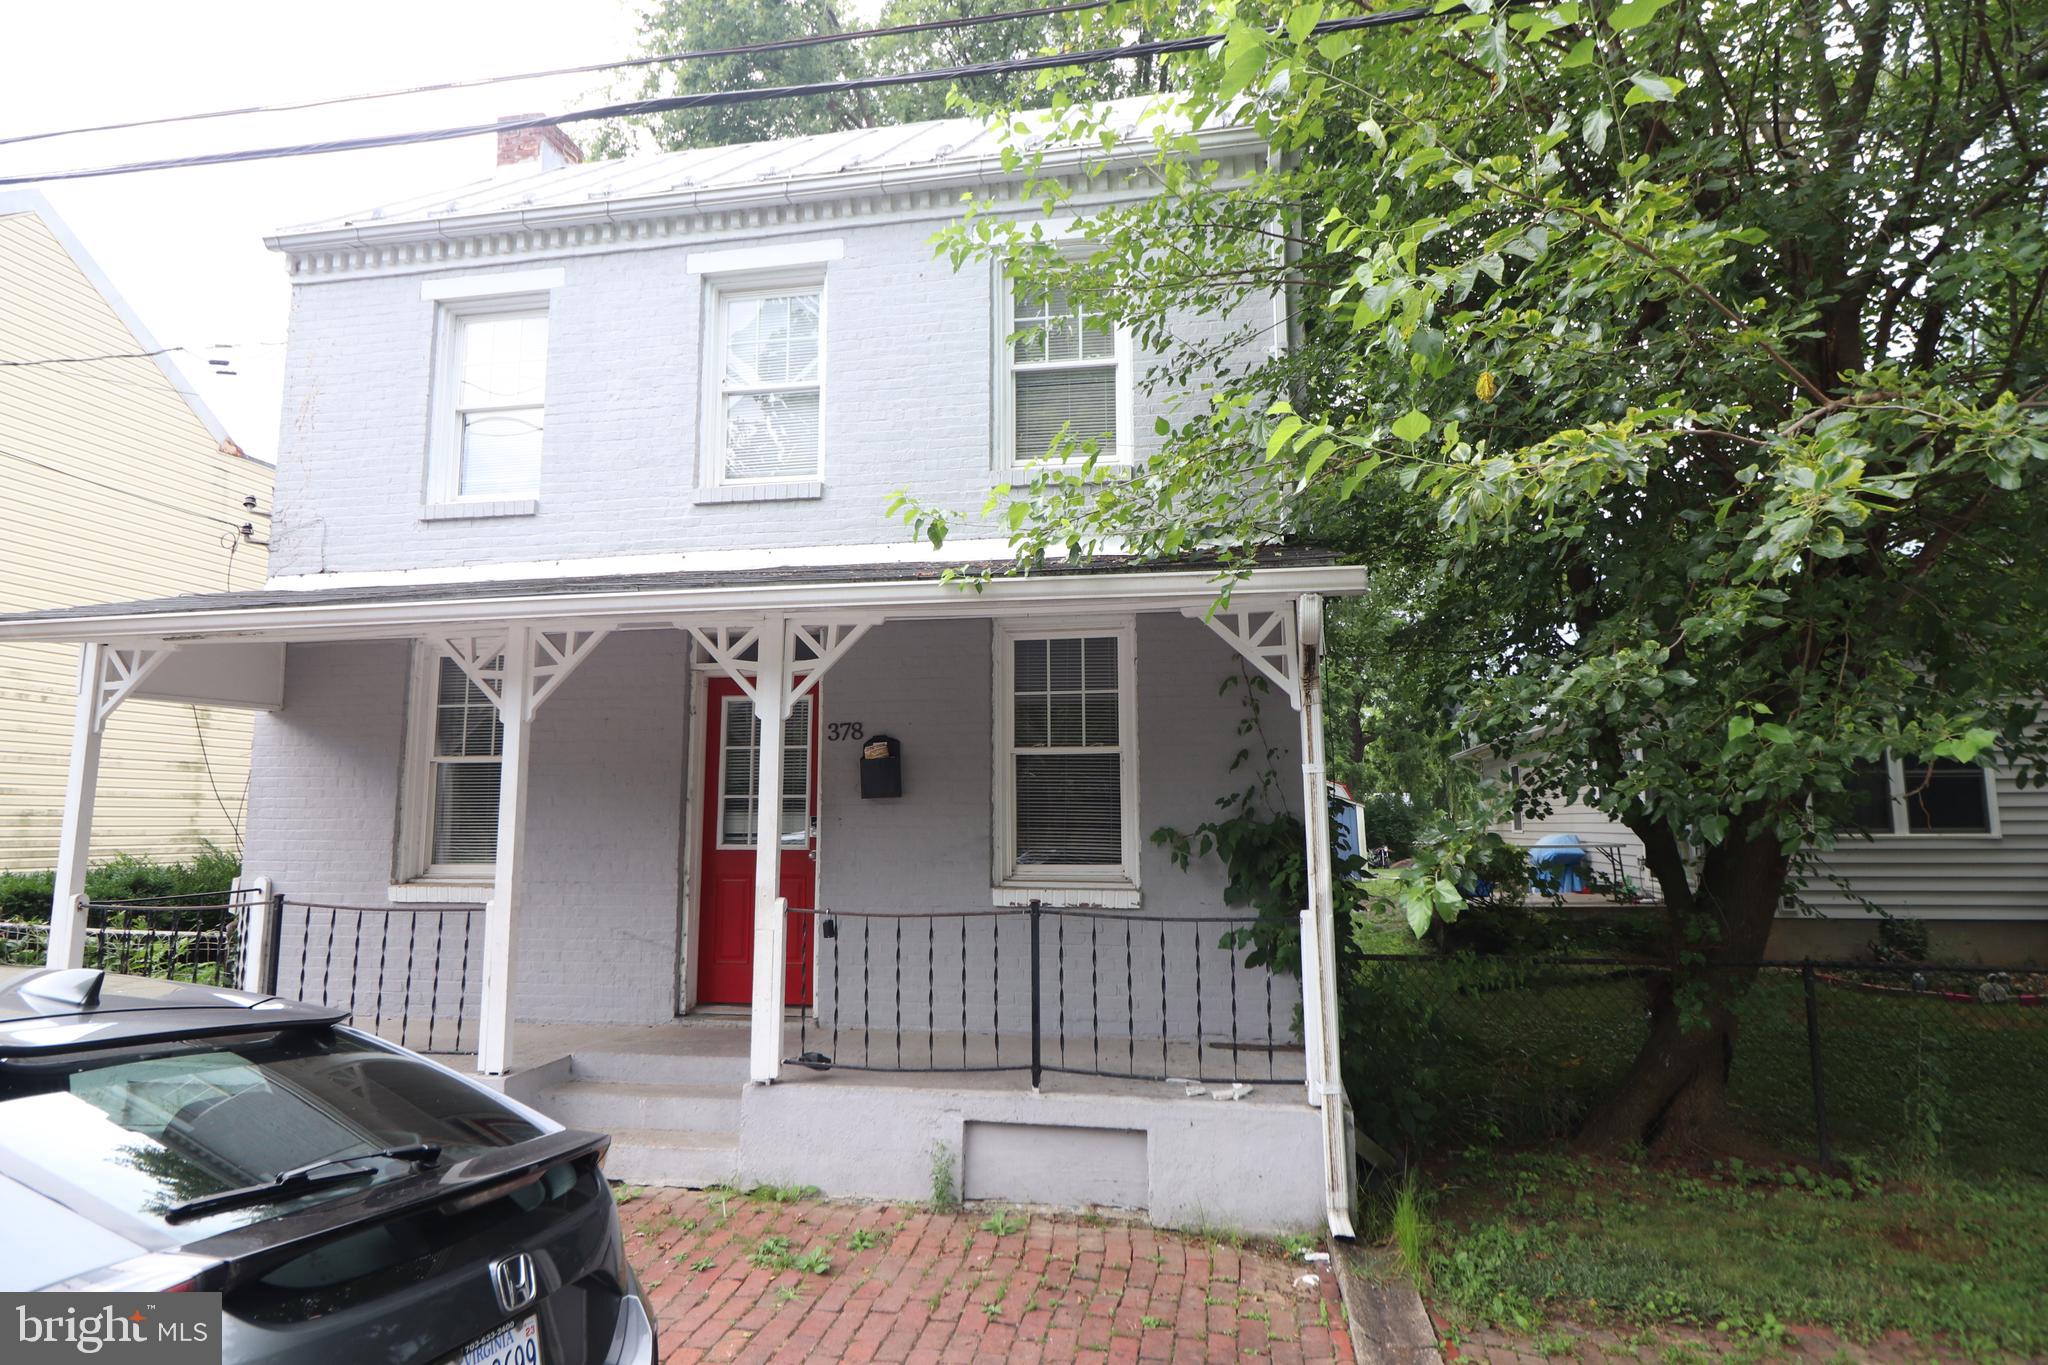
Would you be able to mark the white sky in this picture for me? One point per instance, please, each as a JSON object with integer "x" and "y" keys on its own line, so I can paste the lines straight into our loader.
{"x": 186, "y": 247}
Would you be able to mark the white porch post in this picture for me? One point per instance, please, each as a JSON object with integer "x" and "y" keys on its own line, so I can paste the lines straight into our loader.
{"x": 501, "y": 916}
{"x": 771, "y": 700}
{"x": 67, "y": 908}
{"x": 1319, "y": 945}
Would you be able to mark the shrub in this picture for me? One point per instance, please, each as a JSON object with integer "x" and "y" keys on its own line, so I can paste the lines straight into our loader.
{"x": 209, "y": 872}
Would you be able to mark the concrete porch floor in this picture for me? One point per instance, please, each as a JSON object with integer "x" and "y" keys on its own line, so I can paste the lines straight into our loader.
{"x": 716, "y": 1044}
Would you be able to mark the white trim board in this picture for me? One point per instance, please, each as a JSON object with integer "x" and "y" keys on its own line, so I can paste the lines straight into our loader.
{"x": 492, "y": 286}
{"x": 778, "y": 257}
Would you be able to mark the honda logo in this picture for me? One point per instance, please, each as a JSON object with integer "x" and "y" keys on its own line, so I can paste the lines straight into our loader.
{"x": 515, "y": 1282}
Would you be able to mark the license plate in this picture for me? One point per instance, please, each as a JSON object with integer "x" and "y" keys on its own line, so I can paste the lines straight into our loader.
{"x": 516, "y": 1343}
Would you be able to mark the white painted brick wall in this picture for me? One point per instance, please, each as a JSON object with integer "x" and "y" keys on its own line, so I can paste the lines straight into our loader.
{"x": 910, "y": 366}
{"x": 601, "y": 890}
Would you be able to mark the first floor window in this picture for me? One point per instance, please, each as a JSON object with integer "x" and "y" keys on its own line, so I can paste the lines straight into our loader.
{"x": 463, "y": 760}
{"x": 1067, "y": 755}
{"x": 1940, "y": 796}
{"x": 771, "y": 384}
{"x": 493, "y": 403}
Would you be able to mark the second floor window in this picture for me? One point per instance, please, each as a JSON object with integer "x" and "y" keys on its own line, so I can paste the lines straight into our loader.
{"x": 1066, "y": 376}
{"x": 771, "y": 384}
{"x": 494, "y": 405}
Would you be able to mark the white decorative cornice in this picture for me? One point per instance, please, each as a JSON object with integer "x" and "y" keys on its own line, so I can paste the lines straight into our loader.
{"x": 796, "y": 204}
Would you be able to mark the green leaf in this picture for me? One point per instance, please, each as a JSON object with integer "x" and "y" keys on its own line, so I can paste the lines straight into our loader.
{"x": 1644, "y": 88}
{"x": 1302, "y": 21}
{"x": 1282, "y": 434}
{"x": 1775, "y": 733}
{"x": 1593, "y": 129}
{"x": 1580, "y": 55}
{"x": 1412, "y": 425}
{"x": 1740, "y": 726}
{"x": 1634, "y": 14}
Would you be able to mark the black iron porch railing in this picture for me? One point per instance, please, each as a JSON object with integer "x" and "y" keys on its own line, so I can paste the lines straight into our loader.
{"x": 1042, "y": 990}
{"x": 409, "y": 973}
{"x": 197, "y": 937}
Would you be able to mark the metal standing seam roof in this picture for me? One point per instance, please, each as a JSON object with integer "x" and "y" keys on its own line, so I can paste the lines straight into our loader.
{"x": 928, "y": 571}
{"x": 936, "y": 143}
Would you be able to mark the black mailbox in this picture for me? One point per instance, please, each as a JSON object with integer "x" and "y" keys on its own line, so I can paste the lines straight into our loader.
{"x": 881, "y": 767}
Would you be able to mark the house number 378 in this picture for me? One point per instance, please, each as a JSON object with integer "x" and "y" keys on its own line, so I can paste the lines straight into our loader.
{"x": 842, "y": 729}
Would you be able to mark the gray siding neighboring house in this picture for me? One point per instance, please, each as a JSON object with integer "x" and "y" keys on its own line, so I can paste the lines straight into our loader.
{"x": 1984, "y": 895}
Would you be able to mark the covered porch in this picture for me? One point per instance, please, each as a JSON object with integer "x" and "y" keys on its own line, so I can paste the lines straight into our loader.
{"x": 918, "y": 962}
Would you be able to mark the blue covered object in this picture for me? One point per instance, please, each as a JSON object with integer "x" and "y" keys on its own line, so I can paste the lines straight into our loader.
{"x": 1560, "y": 864}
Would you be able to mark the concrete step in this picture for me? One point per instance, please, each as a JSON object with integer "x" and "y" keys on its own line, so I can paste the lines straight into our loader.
{"x": 609, "y": 1106}
{"x": 652, "y": 1156}
{"x": 662, "y": 1068}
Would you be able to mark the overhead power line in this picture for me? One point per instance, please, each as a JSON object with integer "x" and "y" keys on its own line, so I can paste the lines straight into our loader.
{"x": 709, "y": 99}
{"x": 656, "y": 59}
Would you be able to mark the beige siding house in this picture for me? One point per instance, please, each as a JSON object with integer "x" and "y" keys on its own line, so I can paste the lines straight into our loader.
{"x": 1975, "y": 869}
{"x": 114, "y": 483}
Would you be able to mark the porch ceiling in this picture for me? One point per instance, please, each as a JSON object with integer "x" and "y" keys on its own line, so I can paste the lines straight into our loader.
{"x": 878, "y": 591}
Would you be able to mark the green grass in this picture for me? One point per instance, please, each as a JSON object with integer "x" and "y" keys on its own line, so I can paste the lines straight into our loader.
{"x": 1515, "y": 1240}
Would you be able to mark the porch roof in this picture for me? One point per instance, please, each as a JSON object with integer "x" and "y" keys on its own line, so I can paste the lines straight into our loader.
{"x": 878, "y": 590}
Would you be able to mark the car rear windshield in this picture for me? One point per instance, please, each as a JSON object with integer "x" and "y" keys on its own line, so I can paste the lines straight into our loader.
{"x": 143, "y": 1130}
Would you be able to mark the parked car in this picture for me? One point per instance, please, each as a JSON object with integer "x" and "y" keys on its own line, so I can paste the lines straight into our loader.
{"x": 350, "y": 1200}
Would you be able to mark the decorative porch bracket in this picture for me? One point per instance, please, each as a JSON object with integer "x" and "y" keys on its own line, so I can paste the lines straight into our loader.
{"x": 556, "y": 654}
{"x": 1264, "y": 634}
{"x": 809, "y": 650}
{"x": 107, "y": 675}
{"x": 121, "y": 671}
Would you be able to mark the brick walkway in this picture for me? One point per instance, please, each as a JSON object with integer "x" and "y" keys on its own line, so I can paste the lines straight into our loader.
{"x": 907, "y": 1284}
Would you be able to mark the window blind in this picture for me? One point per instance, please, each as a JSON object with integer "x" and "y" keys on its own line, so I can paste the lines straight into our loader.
{"x": 771, "y": 385}
{"x": 739, "y": 780}
{"x": 469, "y": 741}
{"x": 1066, "y": 752}
{"x": 1064, "y": 373}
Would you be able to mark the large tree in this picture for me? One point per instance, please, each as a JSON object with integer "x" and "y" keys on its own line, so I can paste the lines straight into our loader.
{"x": 1685, "y": 364}
{"x": 694, "y": 25}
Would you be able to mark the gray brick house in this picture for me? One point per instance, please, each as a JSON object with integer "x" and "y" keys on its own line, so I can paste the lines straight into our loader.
{"x": 586, "y": 466}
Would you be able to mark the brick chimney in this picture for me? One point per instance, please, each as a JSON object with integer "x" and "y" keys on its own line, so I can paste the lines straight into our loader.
{"x": 521, "y": 150}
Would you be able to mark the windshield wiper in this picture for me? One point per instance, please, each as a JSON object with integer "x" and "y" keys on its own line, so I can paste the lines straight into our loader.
{"x": 313, "y": 1174}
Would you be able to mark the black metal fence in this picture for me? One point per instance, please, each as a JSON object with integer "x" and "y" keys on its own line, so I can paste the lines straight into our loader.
{"x": 1833, "y": 1058}
{"x": 1045, "y": 990}
{"x": 198, "y": 937}
{"x": 410, "y": 973}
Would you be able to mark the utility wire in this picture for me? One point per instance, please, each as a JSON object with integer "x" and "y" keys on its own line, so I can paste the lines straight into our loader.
{"x": 235, "y": 526}
{"x": 657, "y": 59}
{"x": 709, "y": 99}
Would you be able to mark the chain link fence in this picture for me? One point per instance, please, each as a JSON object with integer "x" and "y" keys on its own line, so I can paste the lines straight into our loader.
{"x": 1880, "y": 1060}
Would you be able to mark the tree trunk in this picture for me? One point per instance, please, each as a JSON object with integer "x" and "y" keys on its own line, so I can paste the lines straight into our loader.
{"x": 1675, "y": 1094}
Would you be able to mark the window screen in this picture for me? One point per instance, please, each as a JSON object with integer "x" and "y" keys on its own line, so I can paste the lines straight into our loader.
{"x": 739, "y": 781}
{"x": 1064, "y": 362}
{"x": 770, "y": 385}
{"x": 1067, "y": 751}
{"x": 1946, "y": 797}
{"x": 501, "y": 368}
{"x": 468, "y": 742}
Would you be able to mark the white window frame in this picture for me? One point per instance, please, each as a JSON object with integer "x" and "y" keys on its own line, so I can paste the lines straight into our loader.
{"x": 444, "y": 436}
{"x": 1115, "y": 887}
{"x": 1004, "y": 400}
{"x": 416, "y": 792}
{"x": 719, "y": 290}
{"x": 1895, "y": 782}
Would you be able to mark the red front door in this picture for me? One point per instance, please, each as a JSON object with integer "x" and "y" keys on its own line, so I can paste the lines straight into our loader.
{"x": 731, "y": 805}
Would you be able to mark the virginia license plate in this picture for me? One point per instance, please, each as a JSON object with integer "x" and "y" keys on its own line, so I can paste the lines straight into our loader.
{"x": 516, "y": 1343}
